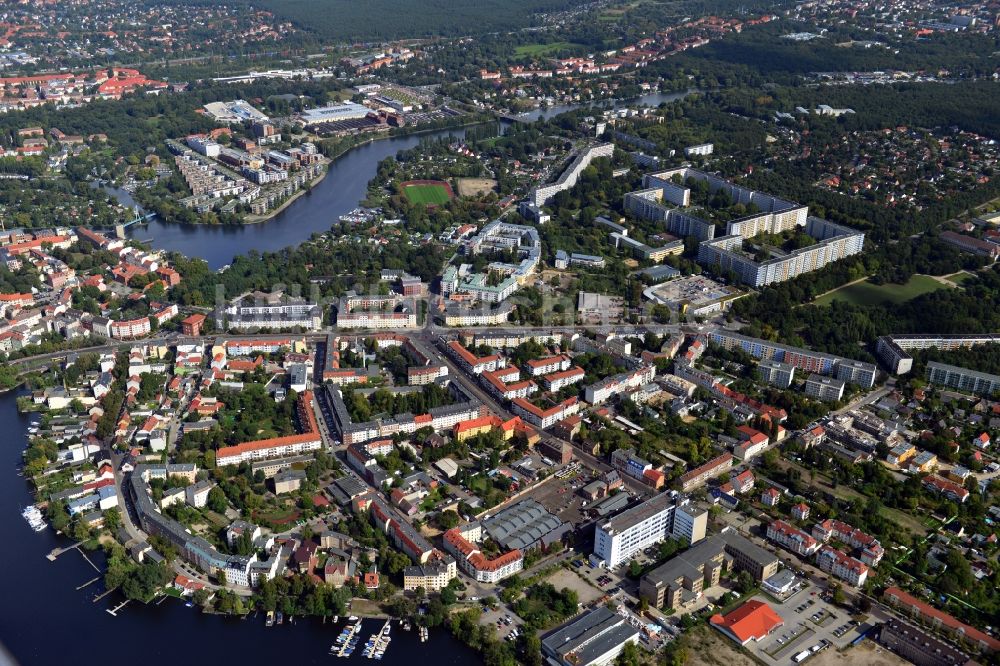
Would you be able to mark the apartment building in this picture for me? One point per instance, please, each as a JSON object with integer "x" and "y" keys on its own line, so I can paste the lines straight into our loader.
{"x": 432, "y": 576}
{"x": 456, "y": 315}
{"x": 473, "y": 364}
{"x": 940, "y": 621}
{"x": 558, "y": 380}
{"x": 273, "y": 311}
{"x": 545, "y": 418}
{"x": 824, "y": 388}
{"x": 963, "y": 379}
{"x": 541, "y": 195}
{"x": 857, "y": 372}
{"x": 946, "y": 488}
{"x": 277, "y": 447}
{"x": 462, "y": 542}
{"x": 841, "y": 565}
{"x": 601, "y": 391}
{"x": 918, "y": 646}
{"x": 870, "y": 548}
{"x": 700, "y": 475}
{"x": 726, "y": 253}
{"x": 776, "y": 373}
{"x": 547, "y": 365}
{"x": 792, "y": 538}
{"x": 892, "y": 350}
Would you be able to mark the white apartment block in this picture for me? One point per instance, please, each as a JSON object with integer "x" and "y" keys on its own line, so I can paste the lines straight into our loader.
{"x": 377, "y": 320}
{"x": 776, "y": 373}
{"x": 543, "y": 194}
{"x": 601, "y": 391}
{"x": 618, "y": 539}
{"x": 824, "y": 388}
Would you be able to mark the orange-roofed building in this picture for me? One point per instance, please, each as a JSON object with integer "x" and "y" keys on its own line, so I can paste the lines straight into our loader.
{"x": 192, "y": 325}
{"x": 753, "y": 621}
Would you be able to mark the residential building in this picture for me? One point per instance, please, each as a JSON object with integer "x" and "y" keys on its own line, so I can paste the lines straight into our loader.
{"x": 841, "y": 565}
{"x": 824, "y": 388}
{"x": 792, "y": 538}
{"x": 979, "y": 641}
{"x": 461, "y": 543}
{"x": 963, "y": 379}
{"x": 700, "y": 475}
{"x": 776, "y": 373}
{"x": 918, "y": 646}
{"x": 432, "y": 576}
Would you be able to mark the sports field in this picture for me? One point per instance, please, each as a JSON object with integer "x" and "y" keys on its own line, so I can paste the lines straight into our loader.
{"x": 430, "y": 192}
{"x": 866, "y": 293}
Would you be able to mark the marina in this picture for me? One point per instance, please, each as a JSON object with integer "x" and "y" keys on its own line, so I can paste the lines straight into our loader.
{"x": 378, "y": 643}
{"x": 348, "y": 639}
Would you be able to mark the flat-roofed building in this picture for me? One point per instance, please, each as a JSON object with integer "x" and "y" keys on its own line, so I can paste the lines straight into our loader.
{"x": 618, "y": 539}
{"x": 776, "y": 373}
{"x": 684, "y": 577}
{"x": 748, "y": 556}
{"x": 594, "y": 638}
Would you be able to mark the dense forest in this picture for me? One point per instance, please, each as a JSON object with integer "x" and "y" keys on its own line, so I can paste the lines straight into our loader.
{"x": 344, "y": 20}
{"x": 843, "y": 328}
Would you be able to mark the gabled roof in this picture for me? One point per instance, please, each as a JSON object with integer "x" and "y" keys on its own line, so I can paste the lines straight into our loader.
{"x": 752, "y": 621}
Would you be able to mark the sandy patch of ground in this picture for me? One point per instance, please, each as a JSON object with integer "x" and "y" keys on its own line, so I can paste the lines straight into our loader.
{"x": 565, "y": 578}
{"x": 867, "y": 652}
{"x": 473, "y": 187}
{"x": 707, "y": 647}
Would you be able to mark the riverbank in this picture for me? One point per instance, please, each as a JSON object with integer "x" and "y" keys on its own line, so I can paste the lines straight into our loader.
{"x": 257, "y": 219}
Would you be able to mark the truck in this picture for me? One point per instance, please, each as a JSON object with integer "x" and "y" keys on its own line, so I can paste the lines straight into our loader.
{"x": 801, "y": 656}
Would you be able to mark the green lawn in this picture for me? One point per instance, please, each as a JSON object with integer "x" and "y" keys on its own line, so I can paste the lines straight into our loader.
{"x": 866, "y": 293}
{"x": 958, "y": 278}
{"x": 426, "y": 194}
{"x": 539, "y": 50}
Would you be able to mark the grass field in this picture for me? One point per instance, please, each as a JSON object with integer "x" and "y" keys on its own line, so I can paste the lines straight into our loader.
{"x": 539, "y": 50}
{"x": 427, "y": 193}
{"x": 866, "y": 293}
{"x": 958, "y": 278}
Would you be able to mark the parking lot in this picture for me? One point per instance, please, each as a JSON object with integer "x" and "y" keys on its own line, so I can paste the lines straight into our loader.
{"x": 809, "y": 621}
{"x": 560, "y": 495}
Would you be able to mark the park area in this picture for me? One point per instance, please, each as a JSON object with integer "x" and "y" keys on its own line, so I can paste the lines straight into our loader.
{"x": 428, "y": 192}
{"x": 867, "y": 293}
{"x": 542, "y": 50}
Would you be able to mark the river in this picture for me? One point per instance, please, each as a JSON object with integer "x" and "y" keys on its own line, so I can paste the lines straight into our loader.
{"x": 47, "y": 621}
{"x": 344, "y": 186}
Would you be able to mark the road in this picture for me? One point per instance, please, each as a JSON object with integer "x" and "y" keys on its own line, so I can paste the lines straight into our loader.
{"x": 868, "y": 398}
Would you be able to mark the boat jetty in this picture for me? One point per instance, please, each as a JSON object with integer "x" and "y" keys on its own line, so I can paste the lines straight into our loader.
{"x": 347, "y": 641}
{"x": 378, "y": 643}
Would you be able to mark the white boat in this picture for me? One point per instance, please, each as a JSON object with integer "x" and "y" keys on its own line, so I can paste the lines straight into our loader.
{"x": 34, "y": 518}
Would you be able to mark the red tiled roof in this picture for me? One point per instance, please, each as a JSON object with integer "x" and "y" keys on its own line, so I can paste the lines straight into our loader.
{"x": 752, "y": 621}
{"x": 925, "y": 609}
